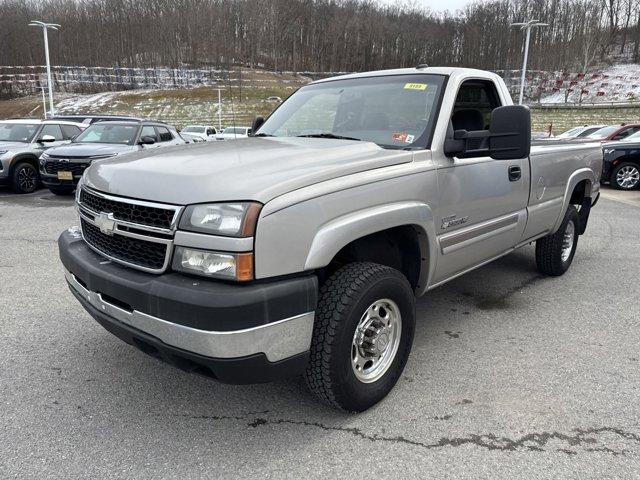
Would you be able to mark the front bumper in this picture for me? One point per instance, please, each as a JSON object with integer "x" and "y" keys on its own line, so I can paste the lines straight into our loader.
{"x": 49, "y": 180}
{"x": 234, "y": 333}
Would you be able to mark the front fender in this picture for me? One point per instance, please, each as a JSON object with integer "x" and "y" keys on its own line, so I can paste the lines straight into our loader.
{"x": 338, "y": 233}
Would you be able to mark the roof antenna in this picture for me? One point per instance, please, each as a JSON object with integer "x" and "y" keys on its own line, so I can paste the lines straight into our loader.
{"x": 422, "y": 65}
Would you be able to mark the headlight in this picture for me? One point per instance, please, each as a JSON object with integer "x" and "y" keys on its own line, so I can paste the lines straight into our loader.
{"x": 229, "y": 266}
{"x": 78, "y": 188}
{"x": 225, "y": 219}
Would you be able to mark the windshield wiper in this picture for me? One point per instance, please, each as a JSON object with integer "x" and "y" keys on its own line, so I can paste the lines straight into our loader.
{"x": 263, "y": 135}
{"x": 329, "y": 135}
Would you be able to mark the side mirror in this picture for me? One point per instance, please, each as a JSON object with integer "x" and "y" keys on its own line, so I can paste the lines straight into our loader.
{"x": 47, "y": 139}
{"x": 147, "y": 140}
{"x": 257, "y": 123}
{"x": 510, "y": 132}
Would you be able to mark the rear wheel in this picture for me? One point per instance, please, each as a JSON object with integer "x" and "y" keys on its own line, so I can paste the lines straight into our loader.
{"x": 25, "y": 178}
{"x": 62, "y": 189}
{"x": 362, "y": 335}
{"x": 625, "y": 176}
{"x": 554, "y": 253}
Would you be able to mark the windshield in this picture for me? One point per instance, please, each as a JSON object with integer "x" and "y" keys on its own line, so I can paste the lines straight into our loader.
{"x": 193, "y": 130}
{"x": 571, "y": 133}
{"x": 108, "y": 133}
{"x": 588, "y": 132}
{"x": 393, "y": 111}
{"x": 235, "y": 130}
{"x": 634, "y": 137}
{"x": 17, "y": 132}
{"x": 604, "y": 132}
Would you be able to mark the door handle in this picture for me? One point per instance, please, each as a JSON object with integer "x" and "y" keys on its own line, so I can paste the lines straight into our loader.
{"x": 515, "y": 172}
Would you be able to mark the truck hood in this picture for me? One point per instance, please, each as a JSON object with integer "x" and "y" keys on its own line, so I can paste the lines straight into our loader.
{"x": 90, "y": 149}
{"x": 249, "y": 169}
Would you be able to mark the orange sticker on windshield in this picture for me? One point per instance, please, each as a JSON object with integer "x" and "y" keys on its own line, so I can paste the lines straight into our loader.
{"x": 415, "y": 86}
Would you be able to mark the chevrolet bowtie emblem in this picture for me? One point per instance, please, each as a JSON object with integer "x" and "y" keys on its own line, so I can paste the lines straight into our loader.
{"x": 105, "y": 222}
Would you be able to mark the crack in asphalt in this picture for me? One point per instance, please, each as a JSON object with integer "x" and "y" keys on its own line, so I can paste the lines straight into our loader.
{"x": 530, "y": 442}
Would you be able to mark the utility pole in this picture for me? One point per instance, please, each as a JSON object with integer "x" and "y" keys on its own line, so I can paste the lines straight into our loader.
{"x": 219, "y": 109}
{"x": 526, "y": 26}
{"x": 44, "y": 103}
{"x": 45, "y": 27}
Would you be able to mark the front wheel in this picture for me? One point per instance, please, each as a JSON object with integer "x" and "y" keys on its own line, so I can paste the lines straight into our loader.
{"x": 625, "y": 176}
{"x": 362, "y": 335}
{"x": 554, "y": 253}
{"x": 25, "y": 178}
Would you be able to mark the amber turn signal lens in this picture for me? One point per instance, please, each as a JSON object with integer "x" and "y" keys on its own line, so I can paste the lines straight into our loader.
{"x": 244, "y": 267}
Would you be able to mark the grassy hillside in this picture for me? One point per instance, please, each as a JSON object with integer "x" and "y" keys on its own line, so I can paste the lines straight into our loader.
{"x": 199, "y": 105}
{"x": 241, "y": 101}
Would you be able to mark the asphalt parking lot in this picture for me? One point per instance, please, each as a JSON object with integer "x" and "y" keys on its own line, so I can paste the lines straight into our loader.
{"x": 512, "y": 375}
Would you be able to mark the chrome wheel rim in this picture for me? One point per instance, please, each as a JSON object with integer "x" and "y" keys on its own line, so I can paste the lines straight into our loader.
{"x": 376, "y": 340}
{"x": 628, "y": 176}
{"x": 27, "y": 179}
{"x": 567, "y": 241}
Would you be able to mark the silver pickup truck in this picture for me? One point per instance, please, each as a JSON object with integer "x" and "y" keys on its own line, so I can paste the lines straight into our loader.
{"x": 301, "y": 250}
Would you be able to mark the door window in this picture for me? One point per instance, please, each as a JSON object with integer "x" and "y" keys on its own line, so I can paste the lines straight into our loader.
{"x": 149, "y": 131}
{"x": 69, "y": 131}
{"x": 53, "y": 130}
{"x": 475, "y": 101}
{"x": 165, "y": 134}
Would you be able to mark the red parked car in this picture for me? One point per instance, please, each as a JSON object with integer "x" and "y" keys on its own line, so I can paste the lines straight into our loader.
{"x": 614, "y": 132}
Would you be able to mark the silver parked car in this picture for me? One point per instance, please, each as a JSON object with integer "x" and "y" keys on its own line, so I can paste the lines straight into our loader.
{"x": 23, "y": 141}
{"x": 301, "y": 250}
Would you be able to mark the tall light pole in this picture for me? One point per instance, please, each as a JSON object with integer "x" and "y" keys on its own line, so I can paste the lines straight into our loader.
{"x": 526, "y": 26}
{"x": 219, "y": 110}
{"x": 45, "y": 27}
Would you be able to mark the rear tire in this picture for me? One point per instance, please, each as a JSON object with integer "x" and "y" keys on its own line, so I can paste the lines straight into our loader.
{"x": 625, "y": 176}
{"x": 25, "y": 178}
{"x": 554, "y": 253}
{"x": 362, "y": 335}
{"x": 61, "y": 189}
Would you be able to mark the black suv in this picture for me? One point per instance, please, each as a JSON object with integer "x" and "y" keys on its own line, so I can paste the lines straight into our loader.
{"x": 62, "y": 167}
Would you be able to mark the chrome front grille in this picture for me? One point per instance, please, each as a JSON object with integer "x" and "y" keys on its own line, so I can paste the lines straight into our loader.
{"x": 135, "y": 233}
{"x": 133, "y": 211}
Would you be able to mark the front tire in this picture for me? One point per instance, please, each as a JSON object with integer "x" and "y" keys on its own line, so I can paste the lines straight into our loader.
{"x": 554, "y": 253}
{"x": 25, "y": 178}
{"x": 625, "y": 176}
{"x": 362, "y": 335}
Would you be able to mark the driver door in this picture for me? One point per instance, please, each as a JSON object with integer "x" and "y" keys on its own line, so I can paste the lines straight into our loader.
{"x": 482, "y": 201}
